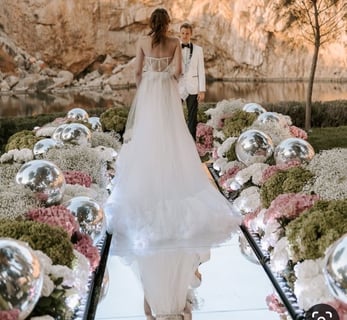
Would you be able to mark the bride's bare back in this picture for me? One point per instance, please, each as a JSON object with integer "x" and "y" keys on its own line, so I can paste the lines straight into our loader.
{"x": 169, "y": 47}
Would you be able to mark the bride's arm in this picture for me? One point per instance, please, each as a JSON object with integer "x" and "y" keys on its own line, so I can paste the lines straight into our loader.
{"x": 178, "y": 60}
{"x": 139, "y": 62}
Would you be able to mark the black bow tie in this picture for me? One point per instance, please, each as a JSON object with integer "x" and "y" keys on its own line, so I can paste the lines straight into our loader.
{"x": 186, "y": 45}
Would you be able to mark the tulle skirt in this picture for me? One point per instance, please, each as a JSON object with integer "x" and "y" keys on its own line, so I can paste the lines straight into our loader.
{"x": 162, "y": 196}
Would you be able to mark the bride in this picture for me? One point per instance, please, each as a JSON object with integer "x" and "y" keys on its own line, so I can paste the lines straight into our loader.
{"x": 162, "y": 198}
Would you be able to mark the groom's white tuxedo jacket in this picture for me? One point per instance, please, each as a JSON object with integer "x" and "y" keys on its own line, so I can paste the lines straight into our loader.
{"x": 193, "y": 79}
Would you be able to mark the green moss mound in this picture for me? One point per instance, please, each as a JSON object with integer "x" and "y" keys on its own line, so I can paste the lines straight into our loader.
{"x": 21, "y": 140}
{"x": 316, "y": 229}
{"x": 291, "y": 180}
{"x": 234, "y": 125}
{"x": 114, "y": 119}
{"x": 53, "y": 241}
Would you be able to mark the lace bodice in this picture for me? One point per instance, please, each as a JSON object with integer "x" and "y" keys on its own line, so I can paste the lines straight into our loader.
{"x": 157, "y": 64}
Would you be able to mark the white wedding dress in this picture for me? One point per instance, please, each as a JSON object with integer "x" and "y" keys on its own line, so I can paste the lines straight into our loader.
{"x": 162, "y": 198}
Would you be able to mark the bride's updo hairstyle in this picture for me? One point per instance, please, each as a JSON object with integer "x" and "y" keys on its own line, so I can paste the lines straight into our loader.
{"x": 159, "y": 22}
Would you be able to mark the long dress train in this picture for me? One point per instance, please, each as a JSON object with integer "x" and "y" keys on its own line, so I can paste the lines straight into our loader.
{"x": 163, "y": 210}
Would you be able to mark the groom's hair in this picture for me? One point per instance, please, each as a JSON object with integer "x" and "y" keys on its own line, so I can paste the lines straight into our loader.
{"x": 187, "y": 25}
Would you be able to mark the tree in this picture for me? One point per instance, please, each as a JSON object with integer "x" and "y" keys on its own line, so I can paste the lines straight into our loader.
{"x": 319, "y": 21}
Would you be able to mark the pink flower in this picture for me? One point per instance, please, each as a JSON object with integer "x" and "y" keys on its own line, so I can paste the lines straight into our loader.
{"x": 271, "y": 170}
{"x": 288, "y": 206}
{"x": 249, "y": 217}
{"x": 85, "y": 246}
{"x": 230, "y": 173}
{"x": 78, "y": 177}
{"x": 340, "y": 308}
{"x": 274, "y": 304}
{"x": 55, "y": 216}
{"x": 9, "y": 315}
{"x": 204, "y": 138}
{"x": 298, "y": 132}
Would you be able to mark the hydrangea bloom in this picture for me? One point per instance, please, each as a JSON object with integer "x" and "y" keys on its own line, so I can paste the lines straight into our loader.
{"x": 55, "y": 216}
{"x": 77, "y": 177}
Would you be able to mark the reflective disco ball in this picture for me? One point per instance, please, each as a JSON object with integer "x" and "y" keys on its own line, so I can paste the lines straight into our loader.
{"x": 247, "y": 250}
{"x": 253, "y": 146}
{"x": 335, "y": 269}
{"x": 57, "y": 132}
{"x": 76, "y": 133}
{"x": 90, "y": 216}
{"x": 44, "y": 178}
{"x": 77, "y": 114}
{"x": 270, "y": 117}
{"x": 41, "y": 147}
{"x": 293, "y": 149}
{"x": 21, "y": 277}
{"x": 95, "y": 123}
{"x": 253, "y": 107}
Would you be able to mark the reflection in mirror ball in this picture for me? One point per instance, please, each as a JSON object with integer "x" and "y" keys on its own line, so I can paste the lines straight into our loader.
{"x": 90, "y": 216}
{"x": 253, "y": 146}
{"x": 44, "y": 178}
{"x": 21, "y": 277}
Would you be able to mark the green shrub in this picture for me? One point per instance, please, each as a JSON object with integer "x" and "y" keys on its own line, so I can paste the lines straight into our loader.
{"x": 291, "y": 180}
{"x": 114, "y": 119}
{"x": 22, "y": 139}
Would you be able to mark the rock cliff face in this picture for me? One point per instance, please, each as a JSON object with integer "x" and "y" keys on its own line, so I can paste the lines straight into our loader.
{"x": 241, "y": 39}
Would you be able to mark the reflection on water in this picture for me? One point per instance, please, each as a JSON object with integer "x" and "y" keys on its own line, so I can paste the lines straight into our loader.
{"x": 276, "y": 91}
{"x": 34, "y": 104}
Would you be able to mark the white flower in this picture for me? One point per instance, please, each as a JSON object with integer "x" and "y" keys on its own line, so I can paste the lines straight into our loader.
{"x": 224, "y": 148}
{"x": 272, "y": 233}
{"x": 223, "y": 108}
{"x": 254, "y": 172}
{"x": 45, "y": 131}
{"x": 94, "y": 192}
{"x": 80, "y": 158}
{"x": 248, "y": 200}
{"x": 310, "y": 287}
{"x": 106, "y": 139}
{"x": 257, "y": 224}
{"x": 47, "y": 287}
{"x": 42, "y": 318}
{"x": 23, "y": 155}
{"x": 15, "y": 201}
{"x": 219, "y": 165}
{"x": 279, "y": 255}
{"x": 276, "y": 130}
{"x": 16, "y": 155}
{"x": 330, "y": 180}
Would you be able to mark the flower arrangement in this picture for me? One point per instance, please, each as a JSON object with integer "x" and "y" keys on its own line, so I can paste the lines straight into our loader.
{"x": 291, "y": 180}
{"x": 77, "y": 177}
{"x": 55, "y": 216}
{"x": 69, "y": 256}
{"x": 204, "y": 139}
{"x": 80, "y": 158}
{"x": 296, "y": 209}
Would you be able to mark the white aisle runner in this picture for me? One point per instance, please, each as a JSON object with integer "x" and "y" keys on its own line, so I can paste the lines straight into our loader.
{"x": 232, "y": 288}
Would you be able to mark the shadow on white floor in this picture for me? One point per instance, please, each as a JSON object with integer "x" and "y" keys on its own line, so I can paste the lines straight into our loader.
{"x": 232, "y": 288}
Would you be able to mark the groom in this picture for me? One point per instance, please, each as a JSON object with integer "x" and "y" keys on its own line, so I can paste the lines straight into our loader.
{"x": 192, "y": 84}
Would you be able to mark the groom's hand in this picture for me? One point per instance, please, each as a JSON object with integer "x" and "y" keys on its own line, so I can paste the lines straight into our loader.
{"x": 201, "y": 96}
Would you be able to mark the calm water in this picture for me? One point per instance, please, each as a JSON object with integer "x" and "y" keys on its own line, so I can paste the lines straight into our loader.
{"x": 28, "y": 105}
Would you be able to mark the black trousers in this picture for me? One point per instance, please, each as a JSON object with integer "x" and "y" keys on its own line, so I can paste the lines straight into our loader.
{"x": 192, "y": 121}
